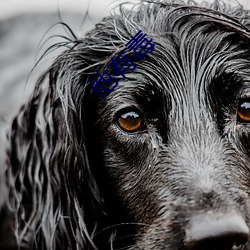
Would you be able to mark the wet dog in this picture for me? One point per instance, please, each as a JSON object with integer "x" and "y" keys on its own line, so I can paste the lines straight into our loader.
{"x": 162, "y": 162}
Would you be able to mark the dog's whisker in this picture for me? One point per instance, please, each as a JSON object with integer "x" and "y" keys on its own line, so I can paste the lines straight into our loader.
{"x": 115, "y": 226}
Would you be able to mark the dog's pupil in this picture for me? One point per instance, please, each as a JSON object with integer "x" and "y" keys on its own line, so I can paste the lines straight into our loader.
{"x": 244, "y": 111}
{"x": 245, "y": 105}
{"x": 130, "y": 115}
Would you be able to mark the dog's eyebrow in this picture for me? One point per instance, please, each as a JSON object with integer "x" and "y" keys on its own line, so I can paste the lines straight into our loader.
{"x": 227, "y": 82}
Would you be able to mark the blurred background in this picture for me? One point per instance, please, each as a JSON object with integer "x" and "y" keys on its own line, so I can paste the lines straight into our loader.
{"x": 25, "y": 26}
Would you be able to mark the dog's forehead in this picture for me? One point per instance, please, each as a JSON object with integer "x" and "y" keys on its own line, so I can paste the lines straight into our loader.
{"x": 189, "y": 61}
{"x": 192, "y": 46}
{"x": 198, "y": 54}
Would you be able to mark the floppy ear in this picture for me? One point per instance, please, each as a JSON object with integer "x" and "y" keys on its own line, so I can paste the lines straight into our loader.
{"x": 51, "y": 186}
{"x": 54, "y": 198}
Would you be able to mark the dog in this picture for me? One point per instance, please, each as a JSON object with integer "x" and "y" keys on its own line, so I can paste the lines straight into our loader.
{"x": 162, "y": 162}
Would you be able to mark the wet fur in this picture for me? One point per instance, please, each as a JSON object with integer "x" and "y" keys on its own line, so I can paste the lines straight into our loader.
{"x": 76, "y": 181}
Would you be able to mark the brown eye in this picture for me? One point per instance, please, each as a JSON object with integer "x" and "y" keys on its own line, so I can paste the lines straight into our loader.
{"x": 243, "y": 113}
{"x": 130, "y": 121}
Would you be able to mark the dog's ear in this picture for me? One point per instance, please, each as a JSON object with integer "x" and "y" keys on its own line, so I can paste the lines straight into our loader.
{"x": 51, "y": 186}
{"x": 54, "y": 197}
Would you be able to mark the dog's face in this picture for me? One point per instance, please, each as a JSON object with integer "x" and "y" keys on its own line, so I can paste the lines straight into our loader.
{"x": 161, "y": 163}
{"x": 174, "y": 138}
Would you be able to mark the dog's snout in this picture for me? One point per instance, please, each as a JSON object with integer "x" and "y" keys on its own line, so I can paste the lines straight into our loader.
{"x": 217, "y": 232}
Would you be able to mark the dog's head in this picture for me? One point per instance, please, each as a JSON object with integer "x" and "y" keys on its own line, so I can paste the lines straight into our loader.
{"x": 163, "y": 161}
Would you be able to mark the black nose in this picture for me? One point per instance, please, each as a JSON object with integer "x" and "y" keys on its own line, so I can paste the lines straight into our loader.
{"x": 217, "y": 232}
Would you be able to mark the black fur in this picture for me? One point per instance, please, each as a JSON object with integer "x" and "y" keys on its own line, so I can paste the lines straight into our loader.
{"x": 77, "y": 181}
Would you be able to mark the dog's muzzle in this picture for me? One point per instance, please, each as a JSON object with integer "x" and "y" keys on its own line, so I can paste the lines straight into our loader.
{"x": 217, "y": 232}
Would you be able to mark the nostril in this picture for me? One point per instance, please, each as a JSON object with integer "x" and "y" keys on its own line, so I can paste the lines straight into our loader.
{"x": 217, "y": 232}
{"x": 241, "y": 241}
{"x": 223, "y": 242}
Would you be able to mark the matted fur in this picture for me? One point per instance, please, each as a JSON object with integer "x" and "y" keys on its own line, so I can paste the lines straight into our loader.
{"x": 76, "y": 181}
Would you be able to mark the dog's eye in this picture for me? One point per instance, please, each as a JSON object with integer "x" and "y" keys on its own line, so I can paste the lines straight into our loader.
{"x": 130, "y": 121}
{"x": 243, "y": 113}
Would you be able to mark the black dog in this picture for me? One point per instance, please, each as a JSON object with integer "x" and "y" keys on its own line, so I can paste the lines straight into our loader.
{"x": 162, "y": 163}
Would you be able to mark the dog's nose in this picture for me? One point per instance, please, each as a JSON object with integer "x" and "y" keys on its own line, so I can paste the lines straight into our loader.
{"x": 217, "y": 232}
